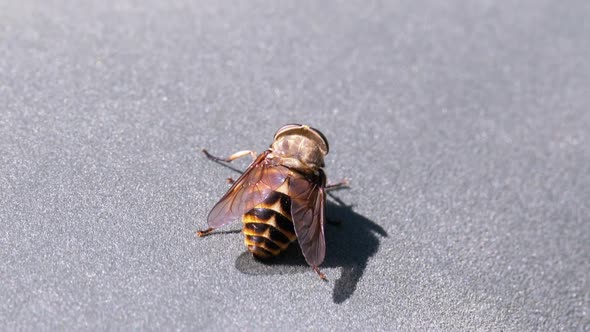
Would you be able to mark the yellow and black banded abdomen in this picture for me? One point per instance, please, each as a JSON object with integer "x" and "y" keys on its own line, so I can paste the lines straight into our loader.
{"x": 268, "y": 227}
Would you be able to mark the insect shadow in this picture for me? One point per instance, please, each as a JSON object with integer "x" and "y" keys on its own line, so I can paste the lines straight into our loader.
{"x": 351, "y": 239}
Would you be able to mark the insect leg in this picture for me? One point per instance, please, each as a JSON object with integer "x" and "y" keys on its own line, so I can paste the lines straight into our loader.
{"x": 205, "y": 232}
{"x": 341, "y": 184}
{"x": 234, "y": 156}
{"x": 320, "y": 274}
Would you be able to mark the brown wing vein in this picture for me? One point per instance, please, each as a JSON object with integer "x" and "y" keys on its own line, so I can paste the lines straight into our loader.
{"x": 307, "y": 209}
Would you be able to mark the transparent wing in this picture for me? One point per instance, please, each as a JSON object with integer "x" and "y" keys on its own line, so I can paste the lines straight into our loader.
{"x": 260, "y": 179}
{"x": 307, "y": 208}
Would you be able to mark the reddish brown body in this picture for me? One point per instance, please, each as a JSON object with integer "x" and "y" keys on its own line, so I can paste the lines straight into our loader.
{"x": 281, "y": 196}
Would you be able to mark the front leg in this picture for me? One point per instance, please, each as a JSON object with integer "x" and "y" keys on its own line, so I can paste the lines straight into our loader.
{"x": 231, "y": 158}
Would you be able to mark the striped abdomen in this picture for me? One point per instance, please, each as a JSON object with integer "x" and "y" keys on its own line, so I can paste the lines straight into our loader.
{"x": 268, "y": 227}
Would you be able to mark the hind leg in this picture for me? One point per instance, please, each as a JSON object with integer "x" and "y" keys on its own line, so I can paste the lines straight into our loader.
{"x": 320, "y": 274}
{"x": 340, "y": 184}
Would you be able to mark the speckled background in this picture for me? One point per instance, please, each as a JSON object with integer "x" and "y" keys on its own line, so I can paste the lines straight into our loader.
{"x": 463, "y": 126}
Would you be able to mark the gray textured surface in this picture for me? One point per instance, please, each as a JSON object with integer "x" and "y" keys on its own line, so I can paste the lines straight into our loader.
{"x": 464, "y": 128}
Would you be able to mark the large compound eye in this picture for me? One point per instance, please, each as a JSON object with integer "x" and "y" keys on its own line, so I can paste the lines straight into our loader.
{"x": 324, "y": 139}
{"x": 307, "y": 131}
{"x": 286, "y": 128}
